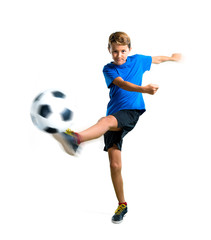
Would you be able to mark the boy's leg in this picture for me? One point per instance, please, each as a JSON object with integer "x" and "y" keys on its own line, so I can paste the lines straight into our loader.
{"x": 115, "y": 166}
{"x": 101, "y": 127}
{"x": 71, "y": 143}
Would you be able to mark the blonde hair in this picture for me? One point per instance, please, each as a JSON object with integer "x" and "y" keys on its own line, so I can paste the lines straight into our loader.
{"x": 120, "y": 38}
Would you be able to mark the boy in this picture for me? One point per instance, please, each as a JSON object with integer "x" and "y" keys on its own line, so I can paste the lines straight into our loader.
{"x": 124, "y": 79}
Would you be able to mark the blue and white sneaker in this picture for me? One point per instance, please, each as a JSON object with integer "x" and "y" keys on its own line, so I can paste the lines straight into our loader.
{"x": 68, "y": 140}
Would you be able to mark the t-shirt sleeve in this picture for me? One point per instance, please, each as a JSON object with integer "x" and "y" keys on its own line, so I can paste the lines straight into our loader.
{"x": 110, "y": 74}
{"x": 146, "y": 62}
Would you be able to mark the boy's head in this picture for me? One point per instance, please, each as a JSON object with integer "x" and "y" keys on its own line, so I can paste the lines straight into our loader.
{"x": 119, "y": 38}
{"x": 119, "y": 46}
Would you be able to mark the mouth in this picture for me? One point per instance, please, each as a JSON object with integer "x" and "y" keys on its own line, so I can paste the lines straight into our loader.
{"x": 119, "y": 60}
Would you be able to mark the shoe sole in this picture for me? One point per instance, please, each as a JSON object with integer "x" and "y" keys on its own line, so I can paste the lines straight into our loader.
{"x": 67, "y": 148}
{"x": 118, "y": 222}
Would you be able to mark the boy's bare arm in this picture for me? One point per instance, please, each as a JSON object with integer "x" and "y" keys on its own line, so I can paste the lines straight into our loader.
{"x": 174, "y": 57}
{"x": 128, "y": 86}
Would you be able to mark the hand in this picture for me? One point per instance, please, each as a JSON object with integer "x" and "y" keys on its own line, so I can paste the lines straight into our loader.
{"x": 176, "y": 57}
{"x": 150, "y": 89}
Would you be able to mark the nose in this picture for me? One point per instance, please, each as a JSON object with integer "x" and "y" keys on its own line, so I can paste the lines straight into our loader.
{"x": 119, "y": 54}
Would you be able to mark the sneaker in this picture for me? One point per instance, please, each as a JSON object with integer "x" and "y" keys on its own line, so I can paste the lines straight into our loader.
{"x": 119, "y": 214}
{"x": 68, "y": 140}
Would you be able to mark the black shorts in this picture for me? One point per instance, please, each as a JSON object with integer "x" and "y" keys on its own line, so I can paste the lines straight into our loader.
{"x": 127, "y": 120}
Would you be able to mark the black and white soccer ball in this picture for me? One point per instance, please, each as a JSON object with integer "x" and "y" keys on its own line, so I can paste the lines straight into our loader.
{"x": 50, "y": 112}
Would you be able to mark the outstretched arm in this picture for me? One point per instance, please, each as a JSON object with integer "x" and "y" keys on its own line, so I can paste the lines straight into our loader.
{"x": 174, "y": 57}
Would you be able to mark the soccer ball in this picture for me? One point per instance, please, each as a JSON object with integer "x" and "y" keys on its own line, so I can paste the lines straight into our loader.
{"x": 50, "y": 112}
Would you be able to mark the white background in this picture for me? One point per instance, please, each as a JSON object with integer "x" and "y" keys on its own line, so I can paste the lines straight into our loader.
{"x": 46, "y": 194}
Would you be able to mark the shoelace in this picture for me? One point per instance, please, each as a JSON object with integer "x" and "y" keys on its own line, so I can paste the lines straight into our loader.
{"x": 120, "y": 209}
{"x": 69, "y": 132}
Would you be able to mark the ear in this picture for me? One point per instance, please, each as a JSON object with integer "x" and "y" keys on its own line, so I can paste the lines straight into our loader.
{"x": 109, "y": 49}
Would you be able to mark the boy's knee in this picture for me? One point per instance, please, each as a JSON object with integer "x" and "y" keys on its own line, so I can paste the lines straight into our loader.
{"x": 109, "y": 121}
{"x": 115, "y": 158}
{"x": 115, "y": 166}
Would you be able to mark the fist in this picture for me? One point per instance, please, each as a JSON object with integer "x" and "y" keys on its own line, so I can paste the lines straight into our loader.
{"x": 151, "y": 89}
{"x": 176, "y": 57}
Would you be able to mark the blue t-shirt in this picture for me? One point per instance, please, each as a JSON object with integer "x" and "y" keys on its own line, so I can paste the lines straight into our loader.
{"x": 131, "y": 71}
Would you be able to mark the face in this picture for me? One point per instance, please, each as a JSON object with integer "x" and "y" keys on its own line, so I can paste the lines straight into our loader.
{"x": 119, "y": 53}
